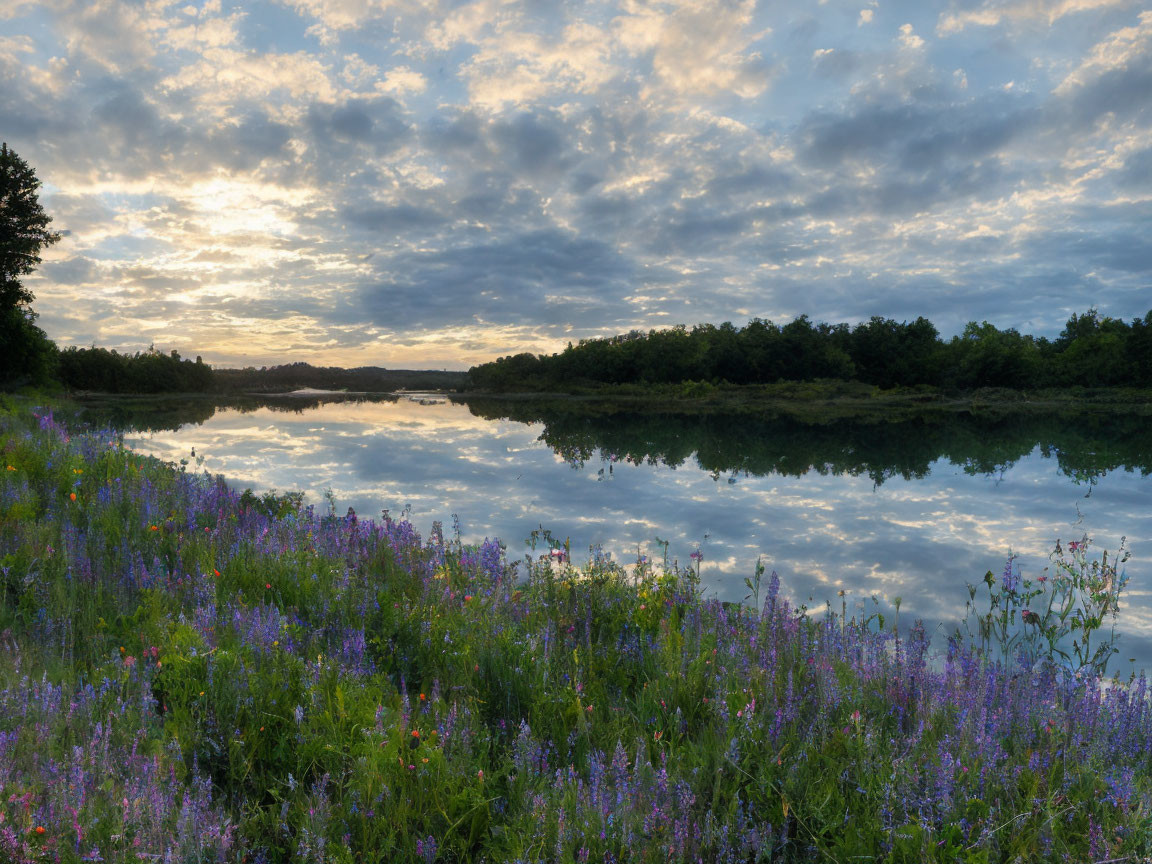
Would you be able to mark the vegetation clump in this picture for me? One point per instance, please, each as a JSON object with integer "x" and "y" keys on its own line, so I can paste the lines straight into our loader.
{"x": 151, "y": 371}
{"x": 27, "y": 353}
{"x": 1092, "y": 351}
{"x": 194, "y": 674}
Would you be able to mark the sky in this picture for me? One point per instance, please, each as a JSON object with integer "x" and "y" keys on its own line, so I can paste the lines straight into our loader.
{"x": 435, "y": 184}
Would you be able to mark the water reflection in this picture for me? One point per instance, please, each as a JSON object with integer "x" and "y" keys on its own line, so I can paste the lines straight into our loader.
{"x": 1085, "y": 445}
{"x": 915, "y": 508}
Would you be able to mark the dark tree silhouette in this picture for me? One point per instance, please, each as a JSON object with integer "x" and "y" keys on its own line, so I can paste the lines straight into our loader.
{"x": 26, "y": 351}
{"x": 23, "y": 228}
{"x": 1093, "y": 351}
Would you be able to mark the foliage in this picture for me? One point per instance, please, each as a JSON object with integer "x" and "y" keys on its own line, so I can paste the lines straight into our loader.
{"x": 23, "y": 228}
{"x": 193, "y": 674}
{"x": 27, "y": 353}
{"x": 1093, "y": 351}
{"x": 1033, "y": 620}
{"x": 148, "y": 371}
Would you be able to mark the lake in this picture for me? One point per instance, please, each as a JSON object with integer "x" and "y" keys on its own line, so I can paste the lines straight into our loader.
{"x": 914, "y": 509}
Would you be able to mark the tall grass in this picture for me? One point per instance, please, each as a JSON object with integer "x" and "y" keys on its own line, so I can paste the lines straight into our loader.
{"x": 188, "y": 674}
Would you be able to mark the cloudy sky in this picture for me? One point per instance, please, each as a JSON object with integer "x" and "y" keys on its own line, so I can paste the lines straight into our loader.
{"x": 431, "y": 184}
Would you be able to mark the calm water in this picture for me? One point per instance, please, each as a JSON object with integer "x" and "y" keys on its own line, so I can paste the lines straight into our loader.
{"x": 914, "y": 509}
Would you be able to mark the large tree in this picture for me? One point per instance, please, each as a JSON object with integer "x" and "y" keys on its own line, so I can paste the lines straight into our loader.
{"x": 25, "y": 352}
{"x": 23, "y": 228}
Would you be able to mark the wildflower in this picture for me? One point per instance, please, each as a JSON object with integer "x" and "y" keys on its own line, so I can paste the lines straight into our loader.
{"x": 72, "y": 496}
{"x": 480, "y": 774}
{"x": 39, "y": 829}
{"x": 267, "y": 584}
{"x": 415, "y": 733}
{"x": 153, "y": 528}
{"x": 467, "y": 597}
{"x": 423, "y": 698}
{"x": 214, "y": 570}
{"x": 10, "y": 468}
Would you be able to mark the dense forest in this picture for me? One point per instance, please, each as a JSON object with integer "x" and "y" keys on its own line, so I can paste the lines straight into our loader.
{"x": 148, "y": 371}
{"x": 1092, "y": 351}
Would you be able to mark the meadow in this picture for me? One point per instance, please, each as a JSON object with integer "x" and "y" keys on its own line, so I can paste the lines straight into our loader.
{"x": 190, "y": 673}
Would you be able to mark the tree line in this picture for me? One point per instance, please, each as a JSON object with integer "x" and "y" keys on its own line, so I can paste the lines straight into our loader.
{"x": 148, "y": 371}
{"x": 366, "y": 379}
{"x": 1093, "y": 350}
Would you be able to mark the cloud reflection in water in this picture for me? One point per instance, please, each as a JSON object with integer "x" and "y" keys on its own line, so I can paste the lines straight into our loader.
{"x": 921, "y": 536}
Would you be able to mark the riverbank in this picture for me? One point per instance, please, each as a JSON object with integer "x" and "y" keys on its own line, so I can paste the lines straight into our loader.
{"x": 834, "y": 399}
{"x": 220, "y": 674}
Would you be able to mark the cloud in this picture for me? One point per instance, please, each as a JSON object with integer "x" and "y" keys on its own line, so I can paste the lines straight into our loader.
{"x": 395, "y": 217}
{"x": 1115, "y": 79}
{"x": 530, "y": 143}
{"x": 362, "y": 168}
{"x": 516, "y": 64}
{"x": 698, "y": 48}
{"x": 1137, "y": 171}
{"x": 343, "y": 14}
{"x": 833, "y": 63}
{"x": 340, "y": 130}
{"x": 544, "y": 277}
{"x": 1044, "y": 12}
{"x": 401, "y": 80}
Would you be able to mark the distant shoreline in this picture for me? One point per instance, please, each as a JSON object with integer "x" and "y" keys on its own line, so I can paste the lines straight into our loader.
{"x": 838, "y": 398}
{"x": 815, "y": 401}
